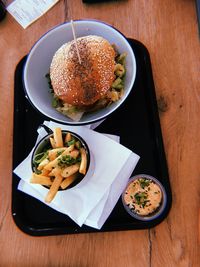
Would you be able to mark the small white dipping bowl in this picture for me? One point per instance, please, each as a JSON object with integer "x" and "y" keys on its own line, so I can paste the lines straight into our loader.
{"x": 39, "y": 59}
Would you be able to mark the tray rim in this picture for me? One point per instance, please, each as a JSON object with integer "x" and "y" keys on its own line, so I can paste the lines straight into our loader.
{"x": 126, "y": 226}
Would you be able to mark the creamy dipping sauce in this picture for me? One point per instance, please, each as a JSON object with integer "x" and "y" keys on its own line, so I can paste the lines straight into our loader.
{"x": 143, "y": 196}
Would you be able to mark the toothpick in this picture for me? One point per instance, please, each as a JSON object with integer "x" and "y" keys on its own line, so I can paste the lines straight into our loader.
{"x": 74, "y": 35}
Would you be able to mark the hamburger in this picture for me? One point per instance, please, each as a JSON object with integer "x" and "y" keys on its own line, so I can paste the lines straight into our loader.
{"x": 83, "y": 84}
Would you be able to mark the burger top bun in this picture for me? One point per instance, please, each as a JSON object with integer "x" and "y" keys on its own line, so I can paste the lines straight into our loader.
{"x": 82, "y": 84}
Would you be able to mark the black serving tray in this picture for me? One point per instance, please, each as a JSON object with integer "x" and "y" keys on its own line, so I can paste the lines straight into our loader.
{"x": 137, "y": 123}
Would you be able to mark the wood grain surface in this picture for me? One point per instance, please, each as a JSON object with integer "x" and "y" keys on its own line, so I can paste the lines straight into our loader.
{"x": 169, "y": 30}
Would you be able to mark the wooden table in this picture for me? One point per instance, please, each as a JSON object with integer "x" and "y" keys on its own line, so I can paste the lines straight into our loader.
{"x": 170, "y": 32}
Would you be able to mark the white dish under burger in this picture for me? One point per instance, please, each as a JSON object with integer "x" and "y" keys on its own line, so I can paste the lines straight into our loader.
{"x": 40, "y": 59}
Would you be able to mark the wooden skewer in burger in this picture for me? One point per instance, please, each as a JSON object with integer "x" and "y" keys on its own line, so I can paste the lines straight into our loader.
{"x": 82, "y": 72}
{"x": 74, "y": 35}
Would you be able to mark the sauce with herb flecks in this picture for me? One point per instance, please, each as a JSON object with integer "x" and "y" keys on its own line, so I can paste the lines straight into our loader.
{"x": 143, "y": 196}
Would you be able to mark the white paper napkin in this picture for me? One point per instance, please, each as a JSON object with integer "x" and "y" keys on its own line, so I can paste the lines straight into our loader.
{"x": 92, "y": 200}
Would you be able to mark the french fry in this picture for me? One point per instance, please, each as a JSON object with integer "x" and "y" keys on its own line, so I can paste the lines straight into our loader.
{"x": 68, "y": 171}
{"x": 42, "y": 164}
{"x": 50, "y": 173}
{"x": 74, "y": 154}
{"x": 52, "y": 141}
{"x": 54, "y": 171}
{"x": 83, "y": 165}
{"x": 54, "y": 162}
{"x": 68, "y": 137}
{"x": 40, "y": 179}
{"x": 53, "y": 153}
{"x": 54, "y": 187}
{"x": 44, "y": 172}
{"x": 69, "y": 180}
{"x": 57, "y": 134}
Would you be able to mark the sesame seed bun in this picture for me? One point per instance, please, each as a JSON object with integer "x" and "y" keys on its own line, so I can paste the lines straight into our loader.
{"x": 83, "y": 84}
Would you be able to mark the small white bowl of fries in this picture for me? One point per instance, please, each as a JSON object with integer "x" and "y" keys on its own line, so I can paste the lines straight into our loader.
{"x": 59, "y": 161}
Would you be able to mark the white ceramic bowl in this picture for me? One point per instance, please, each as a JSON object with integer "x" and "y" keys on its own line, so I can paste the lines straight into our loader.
{"x": 40, "y": 57}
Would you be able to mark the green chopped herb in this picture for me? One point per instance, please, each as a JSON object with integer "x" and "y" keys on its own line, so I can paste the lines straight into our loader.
{"x": 121, "y": 59}
{"x": 116, "y": 82}
{"x": 67, "y": 160}
{"x": 59, "y": 153}
{"x": 55, "y": 102}
{"x": 119, "y": 87}
{"x": 144, "y": 182}
{"x": 39, "y": 158}
{"x": 37, "y": 171}
{"x": 73, "y": 110}
{"x": 141, "y": 199}
{"x": 71, "y": 142}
